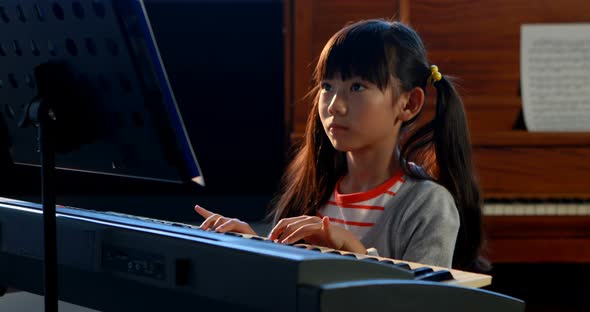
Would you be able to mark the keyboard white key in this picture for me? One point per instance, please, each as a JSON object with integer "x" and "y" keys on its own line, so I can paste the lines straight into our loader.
{"x": 581, "y": 208}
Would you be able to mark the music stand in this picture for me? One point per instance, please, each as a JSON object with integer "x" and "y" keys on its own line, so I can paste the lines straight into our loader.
{"x": 83, "y": 87}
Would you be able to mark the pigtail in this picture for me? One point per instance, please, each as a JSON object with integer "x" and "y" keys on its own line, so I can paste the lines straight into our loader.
{"x": 456, "y": 172}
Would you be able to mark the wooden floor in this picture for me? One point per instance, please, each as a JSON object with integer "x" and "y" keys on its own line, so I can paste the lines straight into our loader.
{"x": 545, "y": 287}
{"x": 21, "y": 301}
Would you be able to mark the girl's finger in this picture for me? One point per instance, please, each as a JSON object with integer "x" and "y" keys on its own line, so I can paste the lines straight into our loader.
{"x": 209, "y": 221}
{"x": 303, "y": 232}
{"x": 236, "y": 225}
{"x": 233, "y": 225}
{"x": 326, "y": 225}
{"x": 203, "y": 212}
{"x": 281, "y": 225}
{"x": 294, "y": 226}
{"x": 218, "y": 222}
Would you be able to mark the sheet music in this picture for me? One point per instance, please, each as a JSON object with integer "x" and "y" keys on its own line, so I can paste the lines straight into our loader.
{"x": 555, "y": 76}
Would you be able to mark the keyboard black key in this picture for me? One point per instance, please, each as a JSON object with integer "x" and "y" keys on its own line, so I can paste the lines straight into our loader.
{"x": 436, "y": 276}
{"x": 233, "y": 234}
{"x": 421, "y": 271}
{"x": 372, "y": 259}
{"x": 402, "y": 265}
{"x": 180, "y": 225}
{"x": 385, "y": 261}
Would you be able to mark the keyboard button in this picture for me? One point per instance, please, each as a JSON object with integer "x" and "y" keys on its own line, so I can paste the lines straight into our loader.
{"x": 387, "y": 261}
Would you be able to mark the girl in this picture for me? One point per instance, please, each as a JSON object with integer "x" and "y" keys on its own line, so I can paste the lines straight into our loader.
{"x": 367, "y": 175}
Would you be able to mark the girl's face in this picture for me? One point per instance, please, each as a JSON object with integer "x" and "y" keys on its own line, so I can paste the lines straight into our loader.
{"x": 357, "y": 115}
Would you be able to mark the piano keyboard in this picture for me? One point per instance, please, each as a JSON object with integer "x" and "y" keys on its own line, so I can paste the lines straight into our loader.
{"x": 413, "y": 270}
{"x": 536, "y": 208}
{"x": 420, "y": 271}
{"x": 156, "y": 265}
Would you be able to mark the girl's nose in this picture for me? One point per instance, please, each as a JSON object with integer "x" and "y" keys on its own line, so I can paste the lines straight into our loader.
{"x": 337, "y": 105}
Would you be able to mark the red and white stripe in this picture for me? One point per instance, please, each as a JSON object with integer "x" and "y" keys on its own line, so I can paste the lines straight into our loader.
{"x": 358, "y": 212}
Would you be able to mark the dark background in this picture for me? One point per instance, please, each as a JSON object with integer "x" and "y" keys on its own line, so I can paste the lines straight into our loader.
{"x": 225, "y": 63}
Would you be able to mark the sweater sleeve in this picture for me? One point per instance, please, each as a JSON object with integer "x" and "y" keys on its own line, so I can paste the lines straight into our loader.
{"x": 431, "y": 225}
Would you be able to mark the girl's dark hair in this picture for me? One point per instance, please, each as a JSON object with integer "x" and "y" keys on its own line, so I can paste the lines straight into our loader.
{"x": 389, "y": 54}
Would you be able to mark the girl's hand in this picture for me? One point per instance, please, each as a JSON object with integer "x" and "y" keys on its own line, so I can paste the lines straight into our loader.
{"x": 316, "y": 231}
{"x": 222, "y": 224}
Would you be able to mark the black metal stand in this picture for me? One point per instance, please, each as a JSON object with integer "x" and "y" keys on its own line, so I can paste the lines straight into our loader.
{"x": 47, "y": 147}
{"x": 40, "y": 113}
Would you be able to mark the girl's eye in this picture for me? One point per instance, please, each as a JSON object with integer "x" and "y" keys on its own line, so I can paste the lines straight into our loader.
{"x": 326, "y": 86}
{"x": 356, "y": 87}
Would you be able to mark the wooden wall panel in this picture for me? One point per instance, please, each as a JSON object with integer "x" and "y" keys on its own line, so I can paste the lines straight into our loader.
{"x": 302, "y": 59}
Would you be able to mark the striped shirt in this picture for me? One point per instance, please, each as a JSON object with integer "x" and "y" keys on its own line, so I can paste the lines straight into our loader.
{"x": 358, "y": 212}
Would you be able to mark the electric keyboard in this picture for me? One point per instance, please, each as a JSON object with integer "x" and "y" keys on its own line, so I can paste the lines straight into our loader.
{"x": 155, "y": 264}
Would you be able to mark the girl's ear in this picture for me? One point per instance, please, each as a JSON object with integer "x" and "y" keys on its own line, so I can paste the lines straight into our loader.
{"x": 413, "y": 101}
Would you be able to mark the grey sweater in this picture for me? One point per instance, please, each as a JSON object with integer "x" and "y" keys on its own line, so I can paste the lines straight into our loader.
{"x": 420, "y": 224}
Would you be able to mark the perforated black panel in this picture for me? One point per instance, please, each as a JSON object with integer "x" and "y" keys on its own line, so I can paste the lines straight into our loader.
{"x": 127, "y": 107}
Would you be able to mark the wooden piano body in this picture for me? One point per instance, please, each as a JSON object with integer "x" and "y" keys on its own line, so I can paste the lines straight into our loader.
{"x": 541, "y": 180}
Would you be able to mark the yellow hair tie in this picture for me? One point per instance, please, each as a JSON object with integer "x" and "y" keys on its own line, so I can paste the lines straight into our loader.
{"x": 435, "y": 75}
